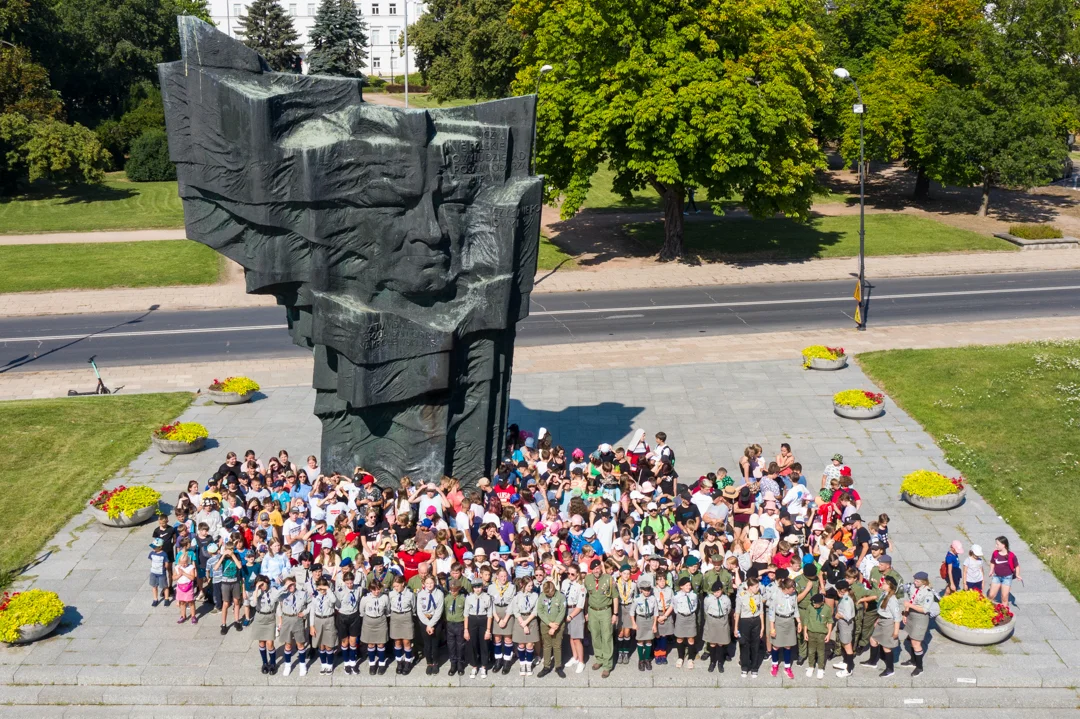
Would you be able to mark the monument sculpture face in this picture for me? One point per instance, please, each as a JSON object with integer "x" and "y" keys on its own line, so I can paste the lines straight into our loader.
{"x": 402, "y": 244}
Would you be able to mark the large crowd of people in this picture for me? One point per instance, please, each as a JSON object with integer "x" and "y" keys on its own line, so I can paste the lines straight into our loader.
{"x": 560, "y": 559}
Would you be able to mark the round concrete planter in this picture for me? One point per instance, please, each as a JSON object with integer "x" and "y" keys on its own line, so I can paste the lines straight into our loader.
{"x": 859, "y": 412}
{"x": 122, "y": 520}
{"x": 32, "y": 632}
{"x": 976, "y": 637}
{"x": 935, "y": 504}
{"x": 228, "y": 397}
{"x": 827, "y": 364}
{"x": 169, "y": 446}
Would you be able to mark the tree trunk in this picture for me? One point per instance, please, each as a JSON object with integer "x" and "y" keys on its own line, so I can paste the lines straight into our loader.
{"x": 674, "y": 197}
{"x": 984, "y": 206}
{"x": 922, "y": 185}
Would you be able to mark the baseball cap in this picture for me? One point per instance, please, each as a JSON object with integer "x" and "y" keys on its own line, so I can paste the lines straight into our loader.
{"x": 886, "y": 559}
{"x": 467, "y": 555}
{"x": 530, "y": 442}
{"x": 590, "y": 533}
{"x": 212, "y": 547}
{"x": 975, "y": 549}
{"x": 577, "y": 452}
{"x": 651, "y": 506}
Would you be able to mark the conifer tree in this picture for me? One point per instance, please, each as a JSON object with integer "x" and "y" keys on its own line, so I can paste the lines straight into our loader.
{"x": 269, "y": 30}
{"x": 339, "y": 40}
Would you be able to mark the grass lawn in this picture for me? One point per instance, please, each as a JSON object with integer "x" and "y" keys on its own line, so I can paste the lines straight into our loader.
{"x": 115, "y": 205}
{"x": 1007, "y": 417}
{"x": 783, "y": 239}
{"x": 551, "y": 257}
{"x": 97, "y": 265}
{"x": 424, "y": 100}
{"x": 58, "y": 453}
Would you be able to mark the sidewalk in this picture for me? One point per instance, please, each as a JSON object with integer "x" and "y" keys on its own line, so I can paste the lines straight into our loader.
{"x": 296, "y": 371}
{"x": 71, "y": 238}
{"x": 612, "y": 276}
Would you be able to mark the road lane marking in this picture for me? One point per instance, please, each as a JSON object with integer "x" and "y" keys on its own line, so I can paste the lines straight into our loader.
{"x": 559, "y": 313}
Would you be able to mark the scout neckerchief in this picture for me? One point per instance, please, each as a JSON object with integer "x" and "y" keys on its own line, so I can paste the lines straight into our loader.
{"x": 453, "y": 603}
{"x": 626, "y": 588}
{"x": 751, "y": 602}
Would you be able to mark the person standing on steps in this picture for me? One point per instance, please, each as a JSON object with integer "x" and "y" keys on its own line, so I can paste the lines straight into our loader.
{"x": 454, "y": 615}
{"x": 749, "y": 628}
{"x": 479, "y": 615}
{"x": 322, "y": 613}
{"x": 551, "y": 611}
{"x": 627, "y": 589}
{"x": 844, "y": 624}
{"x": 526, "y": 627}
{"x": 375, "y": 631}
{"x": 717, "y": 632}
{"x": 402, "y": 629}
{"x": 886, "y": 636}
{"x": 429, "y": 610}
{"x": 294, "y": 604}
{"x": 348, "y": 619}
{"x": 601, "y": 616}
{"x": 817, "y": 631}
{"x": 644, "y": 617}
{"x": 686, "y": 616}
{"x": 1005, "y": 568}
{"x": 665, "y": 621}
{"x": 918, "y": 610}
{"x": 573, "y": 588}
{"x": 264, "y": 603}
{"x": 785, "y": 625}
{"x": 502, "y": 595}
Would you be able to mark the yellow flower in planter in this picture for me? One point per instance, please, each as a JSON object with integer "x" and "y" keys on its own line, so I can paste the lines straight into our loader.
{"x": 821, "y": 352}
{"x": 858, "y": 398}
{"x": 186, "y": 432}
{"x": 33, "y": 607}
{"x": 924, "y": 483}
{"x": 240, "y": 385}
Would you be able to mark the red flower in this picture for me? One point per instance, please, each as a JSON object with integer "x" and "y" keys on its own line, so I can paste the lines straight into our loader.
{"x": 875, "y": 397}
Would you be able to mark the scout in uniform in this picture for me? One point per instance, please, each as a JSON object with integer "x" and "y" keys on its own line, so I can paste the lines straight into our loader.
{"x": 294, "y": 603}
{"x": 665, "y": 622}
{"x": 264, "y": 602}
{"x": 749, "y": 628}
{"x": 402, "y": 631}
{"x": 817, "y": 631}
{"x": 865, "y": 608}
{"x": 322, "y": 613}
{"x": 784, "y": 625}
{"x": 601, "y": 616}
{"x": 717, "y": 632}
{"x": 526, "y": 628}
{"x": 886, "y": 636}
{"x": 644, "y": 616}
{"x": 348, "y": 621}
{"x": 375, "y": 610}
{"x": 692, "y": 569}
{"x": 502, "y": 594}
{"x": 686, "y": 621}
{"x": 429, "y": 610}
{"x": 478, "y": 619}
{"x": 918, "y": 611}
{"x": 574, "y": 591}
{"x": 454, "y": 615}
{"x": 627, "y": 589}
{"x": 876, "y": 585}
{"x": 551, "y": 611}
{"x": 807, "y": 585}
{"x": 844, "y": 623}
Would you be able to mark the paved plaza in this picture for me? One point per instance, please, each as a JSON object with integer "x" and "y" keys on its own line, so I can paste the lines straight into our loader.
{"x": 116, "y": 656}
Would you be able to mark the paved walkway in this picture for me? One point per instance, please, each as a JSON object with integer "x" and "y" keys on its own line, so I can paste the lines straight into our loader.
{"x": 114, "y": 655}
{"x": 294, "y": 371}
{"x": 611, "y": 275}
{"x": 69, "y": 238}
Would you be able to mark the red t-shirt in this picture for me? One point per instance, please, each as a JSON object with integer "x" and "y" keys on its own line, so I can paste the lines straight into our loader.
{"x": 411, "y": 562}
{"x": 782, "y": 561}
{"x": 317, "y": 540}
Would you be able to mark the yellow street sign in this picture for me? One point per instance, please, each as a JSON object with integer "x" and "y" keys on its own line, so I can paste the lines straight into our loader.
{"x": 858, "y": 292}
{"x": 858, "y": 315}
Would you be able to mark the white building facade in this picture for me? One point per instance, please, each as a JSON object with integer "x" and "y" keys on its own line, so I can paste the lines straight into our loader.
{"x": 385, "y": 23}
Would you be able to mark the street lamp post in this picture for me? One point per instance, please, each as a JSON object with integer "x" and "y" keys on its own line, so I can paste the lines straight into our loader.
{"x": 843, "y": 74}
{"x": 406, "y": 54}
{"x": 544, "y": 70}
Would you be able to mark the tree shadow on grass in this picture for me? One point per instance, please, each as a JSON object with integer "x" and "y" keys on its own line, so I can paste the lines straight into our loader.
{"x": 584, "y": 426}
{"x": 741, "y": 241}
{"x": 72, "y": 194}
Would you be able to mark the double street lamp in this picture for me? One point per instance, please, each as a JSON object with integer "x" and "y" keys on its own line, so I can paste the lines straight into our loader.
{"x": 860, "y": 291}
{"x": 544, "y": 70}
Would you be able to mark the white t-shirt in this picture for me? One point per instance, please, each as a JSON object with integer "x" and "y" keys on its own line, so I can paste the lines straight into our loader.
{"x": 335, "y": 510}
{"x": 312, "y": 474}
{"x": 289, "y": 527}
{"x": 702, "y": 501}
{"x": 605, "y": 532}
{"x": 796, "y": 500}
{"x": 974, "y": 569}
{"x": 426, "y": 502}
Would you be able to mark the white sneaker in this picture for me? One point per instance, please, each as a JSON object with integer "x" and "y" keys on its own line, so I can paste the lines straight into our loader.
{"x": 580, "y": 668}
{"x": 810, "y": 672}
{"x": 843, "y": 673}
{"x": 820, "y": 673}
{"x": 742, "y": 674}
{"x": 753, "y": 675}
{"x": 571, "y": 663}
{"x": 678, "y": 663}
{"x": 288, "y": 669}
{"x": 689, "y": 663}
{"x": 475, "y": 671}
{"x": 528, "y": 669}
{"x": 522, "y": 669}
{"x": 839, "y": 664}
{"x": 483, "y": 672}
{"x": 303, "y": 668}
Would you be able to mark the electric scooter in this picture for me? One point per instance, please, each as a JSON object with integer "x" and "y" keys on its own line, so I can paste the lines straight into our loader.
{"x": 100, "y": 389}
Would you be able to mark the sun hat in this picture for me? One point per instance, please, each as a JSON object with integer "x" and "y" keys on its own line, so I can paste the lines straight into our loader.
{"x": 577, "y": 453}
{"x": 211, "y": 548}
{"x": 480, "y": 552}
{"x": 409, "y": 545}
{"x": 976, "y": 549}
{"x": 845, "y": 471}
{"x": 730, "y": 492}
{"x": 636, "y": 495}
{"x": 648, "y": 487}
{"x": 838, "y": 458}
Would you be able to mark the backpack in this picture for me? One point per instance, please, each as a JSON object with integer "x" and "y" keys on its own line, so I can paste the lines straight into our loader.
{"x": 944, "y": 570}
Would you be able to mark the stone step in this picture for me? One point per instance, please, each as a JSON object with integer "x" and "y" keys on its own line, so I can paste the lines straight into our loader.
{"x": 760, "y": 696}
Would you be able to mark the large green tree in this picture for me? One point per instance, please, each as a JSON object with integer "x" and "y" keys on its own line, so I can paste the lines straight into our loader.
{"x": 672, "y": 94}
{"x": 466, "y": 48}
{"x": 339, "y": 40}
{"x": 269, "y": 30}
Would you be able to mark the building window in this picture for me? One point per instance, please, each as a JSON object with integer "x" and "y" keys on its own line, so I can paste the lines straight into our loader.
{"x": 376, "y": 37}
{"x": 292, "y": 10}
{"x": 374, "y": 8}
{"x": 376, "y": 63}
{"x": 311, "y": 9}
{"x": 236, "y": 9}
{"x": 393, "y": 9}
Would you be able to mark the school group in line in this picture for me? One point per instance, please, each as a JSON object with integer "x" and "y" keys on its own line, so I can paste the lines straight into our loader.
{"x": 557, "y": 551}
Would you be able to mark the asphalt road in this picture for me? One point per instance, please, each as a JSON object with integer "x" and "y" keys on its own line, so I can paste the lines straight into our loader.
{"x": 66, "y": 341}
